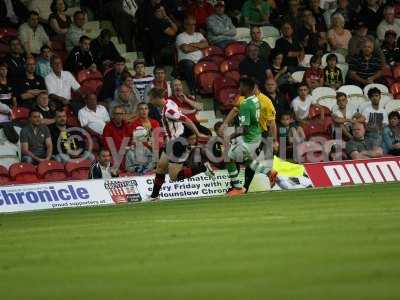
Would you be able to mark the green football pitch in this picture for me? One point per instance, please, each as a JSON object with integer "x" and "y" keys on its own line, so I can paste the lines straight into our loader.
{"x": 341, "y": 243}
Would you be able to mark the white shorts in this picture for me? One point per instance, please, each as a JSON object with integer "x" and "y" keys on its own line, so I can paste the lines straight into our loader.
{"x": 242, "y": 152}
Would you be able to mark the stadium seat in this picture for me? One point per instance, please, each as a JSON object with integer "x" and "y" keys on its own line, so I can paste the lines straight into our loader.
{"x": 78, "y": 170}
{"x": 235, "y": 75}
{"x": 4, "y": 48}
{"x": 59, "y": 49}
{"x": 235, "y": 48}
{"x": 383, "y": 88}
{"x": 395, "y": 90}
{"x": 4, "y": 179}
{"x": 23, "y": 173}
{"x": 205, "y": 82}
{"x": 237, "y": 58}
{"x": 227, "y": 97}
{"x": 213, "y": 50}
{"x": 271, "y": 40}
{"x": 224, "y": 82}
{"x": 20, "y": 114}
{"x": 91, "y": 81}
{"x": 354, "y": 94}
{"x": 388, "y": 75}
{"x": 229, "y": 65}
{"x": 217, "y": 59}
{"x": 340, "y": 57}
{"x": 306, "y": 60}
{"x": 396, "y": 73}
{"x": 325, "y": 96}
{"x": 298, "y": 76}
{"x": 242, "y": 34}
{"x": 205, "y": 66}
{"x": 315, "y": 112}
{"x": 51, "y": 171}
{"x": 392, "y": 106}
{"x": 270, "y": 31}
{"x": 6, "y": 33}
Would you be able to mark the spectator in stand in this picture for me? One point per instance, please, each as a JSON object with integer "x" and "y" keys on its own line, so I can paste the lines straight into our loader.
{"x": 256, "y": 12}
{"x": 59, "y": 83}
{"x": 29, "y": 86}
{"x": 290, "y": 132}
{"x": 15, "y": 60}
{"x": 290, "y": 47}
{"x": 43, "y": 65}
{"x": 141, "y": 80}
{"x": 200, "y": 10}
{"x": 375, "y": 117}
{"x": 220, "y": 28}
{"x": 76, "y": 30}
{"x": 143, "y": 120}
{"x": 190, "y": 45}
{"x": 302, "y": 103}
{"x": 10, "y": 148}
{"x": 371, "y": 13}
{"x": 366, "y": 67}
{"x": 391, "y": 134}
{"x": 42, "y": 7}
{"x": 318, "y": 12}
{"x": 61, "y": 136}
{"x": 101, "y": 169}
{"x": 257, "y": 39}
{"x": 127, "y": 80}
{"x": 312, "y": 40}
{"x": 93, "y": 117}
{"x": 360, "y": 147}
{"x": 277, "y": 98}
{"x": 113, "y": 79}
{"x": 389, "y": 22}
{"x": 332, "y": 74}
{"x": 293, "y": 13}
{"x": 12, "y": 13}
{"x": 80, "y": 57}
{"x": 42, "y": 105}
{"x": 159, "y": 82}
{"x": 253, "y": 65}
{"x": 314, "y": 75}
{"x": 345, "y": 10}
{"x": 127, "y": 100}
{"x": 36, "y": 145}
{"x": 103, "y": 50}
{"x": 32, "y": 35}
{"x": 59, "y": 21}
{"x": 163, "y": 31}
{"x": 390, "y": 49}
{"x": 343, "y": 114}
{"x": 7, "y": 91}
{"x": 279, "y": 72}
{"x": 338, "y": 36}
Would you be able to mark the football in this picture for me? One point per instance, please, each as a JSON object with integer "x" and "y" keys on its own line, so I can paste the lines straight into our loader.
{"x": 140, "y": 134}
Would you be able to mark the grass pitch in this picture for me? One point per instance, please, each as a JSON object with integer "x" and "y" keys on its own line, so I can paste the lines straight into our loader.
{"x": 317, "y": 244}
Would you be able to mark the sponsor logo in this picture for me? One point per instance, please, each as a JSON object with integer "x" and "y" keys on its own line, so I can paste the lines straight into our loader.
{"x": 123, "y": 191}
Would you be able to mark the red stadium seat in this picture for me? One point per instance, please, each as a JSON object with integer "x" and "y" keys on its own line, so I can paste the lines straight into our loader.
{"x": 23, "y": 173}
{"x": 315, "y": 112}
{"x": 396, "y": 73}
{"x": 235, "y": 48}
{"x": 317, "y": 128}
{"x": 59, "y": 49}
{"x": 4, "y": 179}
{"x": 237, "y": 58}
{"x": 205, "y": 66}
{"x": 20, "y": 114}
{"x": 72, "y": 120}
{"x": 224, "y": 82}
{"x": 213, "y": 50}
{"x": 235, "y": 75}
{"x": 205, "y": 82}
{"x": 395, "y": 90}
{"x": 6, "y": 33}
{"x": 4, "y": 48}
{"x": 51, "y": 171}
{"x": 217, "y": 59}
{"x": 227, "y": 98}
{"x": 229, "y": 65}
{"x": 78, "y": 170}
{"x": 91, "y": 81}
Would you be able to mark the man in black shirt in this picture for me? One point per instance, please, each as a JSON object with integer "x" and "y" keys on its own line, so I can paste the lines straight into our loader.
{"x": 29, "y": 86}
{"x": 42, "y": 105}
{"x": 80, "y": 57}
{"x": 7, "y": 93}
{"x": 279, "y": 101}
{"x": 253, "y": 65}
{"x": 290, "y": 47}
{"x": 15, "y": 60}
{"x": 103, "y": 49}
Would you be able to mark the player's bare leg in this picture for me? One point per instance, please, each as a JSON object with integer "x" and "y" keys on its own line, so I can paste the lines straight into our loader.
{"x": 161, "y": 170}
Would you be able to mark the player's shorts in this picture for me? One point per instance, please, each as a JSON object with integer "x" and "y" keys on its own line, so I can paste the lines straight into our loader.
{"x": 242, "y": 152}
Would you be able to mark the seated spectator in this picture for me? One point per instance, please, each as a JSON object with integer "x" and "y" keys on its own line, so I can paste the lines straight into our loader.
{"x": 59, "y": 21}
{"x": 311, "y": 37}
{"x": 159, "y": 82}
{"x": 93, "y": 117}
{"x": 256, "y": 12}
{"x": 278, "y": 71}
{"x": 318, "y": 13}
{"x": 345, "y": 10}
{"x": 302, "y": 103}
{"x": 220, "y": 28}
{"x": 103, "y": 50}
{"x": 113, "y": 79}
{"x": 314, "y": 75}
{"x": 43, "y": 65}
{"x": 391, "y": 134}
{"x": 143, "y": 119}
{"x": 279, "y": 101}
{"x": 332, "y": 74}
{"x": 15, "y": 60}
{"x": 75, "y": 31}
{"x": 59, "y": 83}
{"x": 389, "y": 22}
{"x": 42, "y": 7}
{"x": 101, "y": 169}
{"x": 29, "y": 86}
{"x": 190, "y": 45}
{"x": 371, "y": 13}
{"x": 7, "y": 92}
{"x": 375, "y": 117}
{"x": 32, "y": 35}
{"x": 253, "y": 65}
{"x": 12, "y": 13}
{"x": 10, "y": 148}
{"x": 289, "y": 132}
{"x": 80, "y": 57}
{"x": 127, "y": 80}
{"x": 390, "y": 49}
{"x": 36, "y": 145}
{"x": 343, "y": 114}
{"x": 200, "y": 10}
{"x": 257, "y": 39}
{"x": 126, "y": 99}
{"x": 163, "y": 31}
{"x": 42, "y": 105}
{"x": 290, "y": 47}
{"x": 366, "y": 67}
{"x": 360, "y": 147}
{"x": 65, "y": 147}
{"x": 140, "y": 79}
{"x": 338, "y": 36}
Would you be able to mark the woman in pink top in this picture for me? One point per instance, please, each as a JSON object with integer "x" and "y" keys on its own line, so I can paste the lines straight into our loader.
{"x": 338, "y": 37}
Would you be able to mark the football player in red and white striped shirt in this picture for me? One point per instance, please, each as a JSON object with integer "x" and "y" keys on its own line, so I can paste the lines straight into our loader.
{"x": 171, "y": 160}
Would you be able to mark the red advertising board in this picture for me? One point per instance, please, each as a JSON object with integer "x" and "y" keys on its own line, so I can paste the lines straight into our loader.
{"x": 328, "y": 174}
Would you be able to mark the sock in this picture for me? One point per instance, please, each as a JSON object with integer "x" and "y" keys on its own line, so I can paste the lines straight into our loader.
{"x": 248, "y": 177}
{"x": 190, "y": 172}
{"x": 234, "y": 175}
{"x": 158, "y": 182}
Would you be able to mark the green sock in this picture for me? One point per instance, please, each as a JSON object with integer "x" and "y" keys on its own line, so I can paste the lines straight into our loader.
{"x": 234, "y": 175}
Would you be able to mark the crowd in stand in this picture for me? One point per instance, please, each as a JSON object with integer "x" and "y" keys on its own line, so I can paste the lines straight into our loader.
{"x": 338, "y": 48}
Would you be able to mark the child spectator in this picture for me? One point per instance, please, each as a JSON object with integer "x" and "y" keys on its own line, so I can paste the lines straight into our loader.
{"x": 290, "y": 132}
{"x": 43, "y": 66}
{"x": 390, "y": 49}
{"x": 391, "y": 134}
{"x": 314, "y": 76}
{"x": 332, "y": 74}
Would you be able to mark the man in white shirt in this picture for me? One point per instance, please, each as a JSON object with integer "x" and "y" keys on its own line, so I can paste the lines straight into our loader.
{"x": 59, "y": 83}
{"x": 32, "y": 34}
{"x": 302, "y": 103}
{"x": 93, "y": 117}
{"x": 343, "y": 114}
{"x": 389, "y": 22}
{"x": 190, "y": 45}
